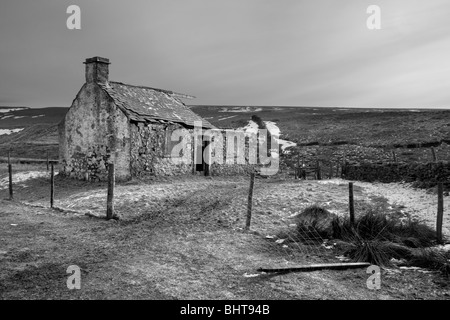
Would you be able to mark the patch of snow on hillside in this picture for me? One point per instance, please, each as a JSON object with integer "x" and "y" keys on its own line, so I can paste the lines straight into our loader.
{"x": 240, "y": 109}
{"x": 18, "y": 117}
{"x": 7, "y": 116}
{"x": 252, "y": 128}
{"x": 41, "y": 115}
{"x": 9, "y": 131}
{"x": 9, "y": 110}
{"x": 226, "y": 118}
{"x": 286, "y": 144}
{"x": 273, "y": 128}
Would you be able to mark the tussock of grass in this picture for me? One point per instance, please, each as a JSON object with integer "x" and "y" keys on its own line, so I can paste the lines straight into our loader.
{"x": 431, "y": 258}
{"x": 314, "y": 223}
{"x": 314, "y": 211}
{"x": 416, "y": 234}
{"x": 375, "y": 225}
{"x": 374, "y": 251}
{"x": 376, "y": 237}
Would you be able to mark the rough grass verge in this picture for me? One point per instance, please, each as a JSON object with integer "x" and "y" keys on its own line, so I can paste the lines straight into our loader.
{"x": 377, "y": 236}
{"x": 376, "y": 224}
{"x": 432, "y": 258}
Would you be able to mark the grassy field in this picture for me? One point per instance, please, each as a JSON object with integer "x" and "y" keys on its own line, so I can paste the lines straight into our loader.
{"x": 179, "y": 239}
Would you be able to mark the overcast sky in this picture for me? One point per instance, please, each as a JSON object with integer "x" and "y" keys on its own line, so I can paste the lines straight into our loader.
{"x": 232, "y": 52}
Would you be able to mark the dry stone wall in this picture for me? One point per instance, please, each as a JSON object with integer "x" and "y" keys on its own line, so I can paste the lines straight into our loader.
{"x": 423, "y": 174}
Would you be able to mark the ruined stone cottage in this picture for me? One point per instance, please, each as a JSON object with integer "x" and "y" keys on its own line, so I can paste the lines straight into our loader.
{"x": 131, "y": 126}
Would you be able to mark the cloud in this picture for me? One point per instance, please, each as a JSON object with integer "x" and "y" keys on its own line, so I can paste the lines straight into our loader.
{"x": 256, "y": 52}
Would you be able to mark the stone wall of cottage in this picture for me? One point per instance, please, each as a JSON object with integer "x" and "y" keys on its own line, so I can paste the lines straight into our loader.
{"x": 225, "y": 157}
{"x": 151, "y": 154}
{"x": 84, "y": 137}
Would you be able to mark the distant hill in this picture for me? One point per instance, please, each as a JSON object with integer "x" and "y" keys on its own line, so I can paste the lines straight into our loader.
{"x": 23, "y": 117}
{"x": 30, "y": 132}
{"x": 324, "y": 126}
{"x": 358, "y": 134}
{"x": 412, "y": 131}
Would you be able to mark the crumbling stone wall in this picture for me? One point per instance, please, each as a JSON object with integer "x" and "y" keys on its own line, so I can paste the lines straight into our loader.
{"x": 228, "y": 154}
{"x": 427, "y": 174}
{"x": 84, "y": 135}
{"x": 150, "y": 154}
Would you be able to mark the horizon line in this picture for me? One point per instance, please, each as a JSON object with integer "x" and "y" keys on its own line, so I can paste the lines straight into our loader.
{"x": 266, "y": 106}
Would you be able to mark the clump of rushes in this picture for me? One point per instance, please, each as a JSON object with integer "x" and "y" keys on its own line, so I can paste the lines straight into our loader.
{"x": 376, "y": 236}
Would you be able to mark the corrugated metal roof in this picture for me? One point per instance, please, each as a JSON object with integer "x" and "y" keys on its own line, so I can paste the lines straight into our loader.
{"x": 148, "y": 104}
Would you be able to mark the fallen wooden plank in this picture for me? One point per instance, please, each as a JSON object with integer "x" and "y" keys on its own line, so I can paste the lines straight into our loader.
{"x": 316, "y": 267}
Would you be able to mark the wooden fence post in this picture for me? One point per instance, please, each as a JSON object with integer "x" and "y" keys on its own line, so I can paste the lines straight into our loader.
{"x": 318, "y": 174}
{"x": 110, "y": 198}
{"x": 433, "y": 153}
{"x": 303, "y": 171}
{"x": 297, "y": 168}
{"x": 10, "y": 176}
{"x": 331, "y": 170}
{"x": 351, "y": 203}
{"x": 343, "y": 165}
{"x": 52, "y": 186}
{"x": 250, "y": 201}
{"x": 440, "y": 212}
{"x": 394, "y": 156}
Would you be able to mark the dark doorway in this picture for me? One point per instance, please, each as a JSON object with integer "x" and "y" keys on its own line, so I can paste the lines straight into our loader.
{"x": 200, "y": 152}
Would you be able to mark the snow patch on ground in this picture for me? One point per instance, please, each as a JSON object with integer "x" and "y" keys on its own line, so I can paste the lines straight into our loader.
{"x": 18, "y": 117}
{"x": 22, "y": 177}
{"x": 9, "y": 131}
{"x": 41, "y": 115}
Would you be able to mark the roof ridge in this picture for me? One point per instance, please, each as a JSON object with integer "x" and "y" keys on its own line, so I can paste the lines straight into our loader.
{"x": 141, "y": 105}
{"x": 156, "y": 89}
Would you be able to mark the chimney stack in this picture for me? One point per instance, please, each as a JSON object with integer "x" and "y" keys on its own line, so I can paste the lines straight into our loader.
{"x": 97, "y": 69}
